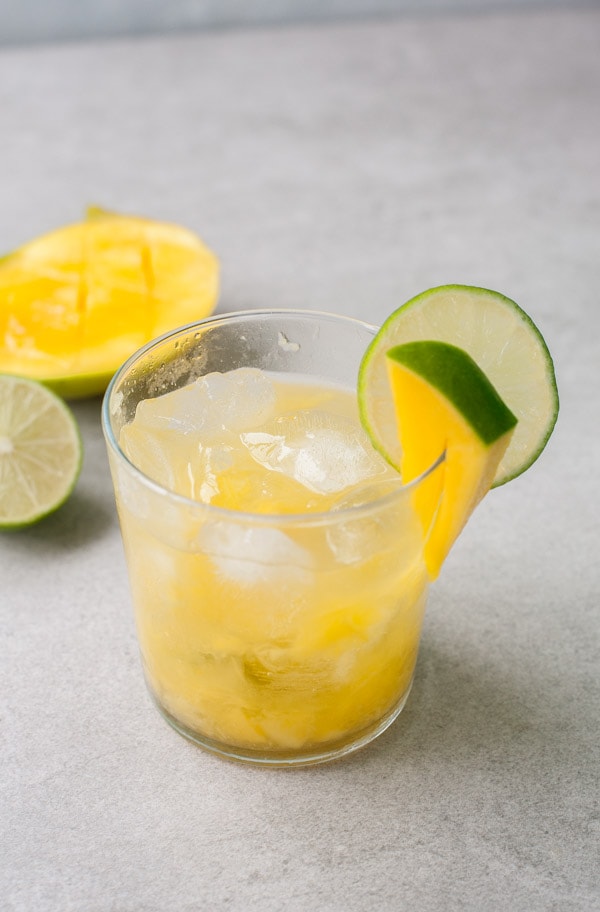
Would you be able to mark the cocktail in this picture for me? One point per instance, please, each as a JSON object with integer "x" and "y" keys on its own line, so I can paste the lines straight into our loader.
{"x": 279, "y": 564}
{"x": 276, "y": 559}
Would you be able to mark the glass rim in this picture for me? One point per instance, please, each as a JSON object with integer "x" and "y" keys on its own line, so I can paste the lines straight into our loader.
{"x": 320, "y": 517}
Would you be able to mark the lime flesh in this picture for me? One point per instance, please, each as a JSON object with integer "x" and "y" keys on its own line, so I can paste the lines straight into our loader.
{"x": 502, "y": 340}
{"x": 40, "y": 452}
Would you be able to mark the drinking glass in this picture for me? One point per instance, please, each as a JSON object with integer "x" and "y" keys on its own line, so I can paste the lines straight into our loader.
{"x": 280, "y": 640}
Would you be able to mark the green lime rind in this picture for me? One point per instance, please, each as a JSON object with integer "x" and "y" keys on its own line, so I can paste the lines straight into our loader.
{"x": 41, "y": 452}
{"x": 500, "y": 337}
{"x": 454, "y": 374}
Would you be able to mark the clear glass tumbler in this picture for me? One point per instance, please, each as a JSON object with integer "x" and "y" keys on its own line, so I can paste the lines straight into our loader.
{"x": 280, "y": 640}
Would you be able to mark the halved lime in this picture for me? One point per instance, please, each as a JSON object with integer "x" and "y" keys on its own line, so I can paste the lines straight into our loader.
{"x": 40, "y": 451}
{"x": 499, "y": 336}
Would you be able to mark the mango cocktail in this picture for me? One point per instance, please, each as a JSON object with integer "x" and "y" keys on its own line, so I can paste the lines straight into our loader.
{"x": 289, "y": 483}
{"x": 275, "y": 558}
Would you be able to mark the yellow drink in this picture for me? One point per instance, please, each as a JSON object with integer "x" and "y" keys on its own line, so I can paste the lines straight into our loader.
{"x": 275, "y": 558}
{"x": 313, "y": 642}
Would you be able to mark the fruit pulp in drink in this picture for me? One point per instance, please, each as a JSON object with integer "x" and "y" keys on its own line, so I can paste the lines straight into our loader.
{"x": 279, "y": 594}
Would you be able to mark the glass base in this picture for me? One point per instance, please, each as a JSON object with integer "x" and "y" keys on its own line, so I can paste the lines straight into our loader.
{"x": 288, "y": 758}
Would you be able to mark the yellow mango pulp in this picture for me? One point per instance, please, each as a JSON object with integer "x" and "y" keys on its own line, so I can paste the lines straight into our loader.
{"x": 430, "y": 425}
{"x": 273, "y": 633}
{"x": 77, "y": 302}
{"x": 297, "y": 660}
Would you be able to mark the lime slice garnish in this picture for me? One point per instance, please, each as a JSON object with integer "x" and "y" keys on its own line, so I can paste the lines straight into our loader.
{"x": 499, "y": 336}
{"x": 40, "y": 451}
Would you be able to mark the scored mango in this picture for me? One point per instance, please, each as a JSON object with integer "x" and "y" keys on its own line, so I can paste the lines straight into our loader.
{"x": 75, "y": 303}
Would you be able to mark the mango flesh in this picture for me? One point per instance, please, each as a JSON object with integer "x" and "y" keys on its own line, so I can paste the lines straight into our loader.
{"x": 76, "y": 303}
{"x": 445, "y": 405}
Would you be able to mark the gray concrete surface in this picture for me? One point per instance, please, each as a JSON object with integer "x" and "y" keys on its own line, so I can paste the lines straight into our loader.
{"x": 30, "y": 21}
{"x": 340, "y": 167}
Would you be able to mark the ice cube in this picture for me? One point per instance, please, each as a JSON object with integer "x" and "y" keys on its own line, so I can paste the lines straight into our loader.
{"x": 254, "y": 554}
{"x": 233, "y": 401}
{"x": 132, "y": 496}
{"x": 203, "y": 471}
{"x": 148, "y": 449}
{"x": 326, "y": 453}
{"x": 391, "y": 525}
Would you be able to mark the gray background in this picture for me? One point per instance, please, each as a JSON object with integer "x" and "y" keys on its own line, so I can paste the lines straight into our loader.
{"x": 23, "y": 21}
